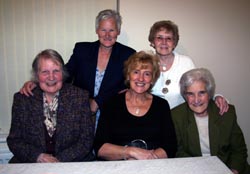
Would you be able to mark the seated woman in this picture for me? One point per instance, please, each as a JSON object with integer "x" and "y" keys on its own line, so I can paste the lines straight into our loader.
{"x": 53, "y": 125}
{"x": 136, "y": 124}
{"x": 200, "y": 130}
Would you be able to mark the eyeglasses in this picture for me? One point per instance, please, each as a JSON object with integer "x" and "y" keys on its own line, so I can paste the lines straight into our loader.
{"x": 165, "y": 89}
{"x": 162, "y": 39}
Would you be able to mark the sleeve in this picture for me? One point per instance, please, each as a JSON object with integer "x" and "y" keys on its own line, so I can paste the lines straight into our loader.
{"x": 72, "y": 64}
{"x": 20, "y": 140}
{"x": 102, "y": 132}
{"x": 80, "y": 150}
{"x": 181, "y": 152}
{"x": 238, "y": 146}
{"x": 169, "y": 135}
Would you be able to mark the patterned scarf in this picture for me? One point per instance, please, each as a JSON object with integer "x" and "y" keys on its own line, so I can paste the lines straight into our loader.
{"x": 50, "y": 113}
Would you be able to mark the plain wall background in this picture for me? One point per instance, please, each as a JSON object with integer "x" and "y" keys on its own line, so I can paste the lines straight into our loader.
{"x": 214, "y": 33}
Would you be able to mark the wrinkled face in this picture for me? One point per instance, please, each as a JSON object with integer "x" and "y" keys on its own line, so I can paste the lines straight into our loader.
{"x": 163, "y": 43}
{"x": 107, "y": 32}
{"x": 50, "y": 76}
{"x": 140, "y": 79}
{"x": 197, "y": 98}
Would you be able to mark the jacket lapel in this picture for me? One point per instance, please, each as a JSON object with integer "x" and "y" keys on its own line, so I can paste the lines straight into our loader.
{"x": 39, "y": 115}
{"x": 193, "y": 135}
{"x": 214, "y": 131}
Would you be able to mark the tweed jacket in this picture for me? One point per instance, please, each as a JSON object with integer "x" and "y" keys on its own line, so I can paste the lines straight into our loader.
{"x": 82, "y": 69}
{"x": 74, "y": 130}
{"x": 225, "y": 136}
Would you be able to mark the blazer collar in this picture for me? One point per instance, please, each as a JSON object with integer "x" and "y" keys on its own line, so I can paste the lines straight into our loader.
{"x": 214, "y": 136}
{"x": 214, "y": 127}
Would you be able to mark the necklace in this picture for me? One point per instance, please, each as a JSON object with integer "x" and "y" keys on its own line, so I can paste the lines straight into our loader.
{"x": 164, "y": 67}
{"x": 137, "y": 111}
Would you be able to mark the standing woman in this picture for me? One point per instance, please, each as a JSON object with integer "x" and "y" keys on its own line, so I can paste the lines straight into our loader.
{"x": 136, "y": 124}
{"x": 164, "y": 37}
{"x": 97, "y": 66}
{"x": 54, "y": 125}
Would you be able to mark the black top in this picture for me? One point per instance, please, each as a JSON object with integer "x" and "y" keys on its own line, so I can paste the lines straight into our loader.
{"x": 117, "y": 126}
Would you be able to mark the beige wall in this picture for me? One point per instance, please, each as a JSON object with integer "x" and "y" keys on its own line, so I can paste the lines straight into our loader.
{"x": 214, "y": 33}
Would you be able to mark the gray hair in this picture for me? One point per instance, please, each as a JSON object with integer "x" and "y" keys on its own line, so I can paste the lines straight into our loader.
{"x": 47, "y": 54}
{"x": 198, "y": 74}
{"x": 106, "y": 14}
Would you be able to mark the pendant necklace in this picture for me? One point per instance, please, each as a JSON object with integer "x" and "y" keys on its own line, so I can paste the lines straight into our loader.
{"x": 164, "y": 67}
{"x": 137, "y": 111}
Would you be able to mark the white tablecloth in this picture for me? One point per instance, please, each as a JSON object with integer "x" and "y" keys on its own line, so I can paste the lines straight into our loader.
{"x": 195, "y": 165}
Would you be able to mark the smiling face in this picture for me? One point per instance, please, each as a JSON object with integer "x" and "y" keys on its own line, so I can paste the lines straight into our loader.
{"x": 50, "y": 76}
{"x": 197, "y": 98}
{"x": 140, "y": 78}
{"x": 107, "y": 32}
{"x": 163, "y": 43}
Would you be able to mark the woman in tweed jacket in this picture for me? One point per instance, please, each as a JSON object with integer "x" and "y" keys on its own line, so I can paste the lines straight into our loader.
{"x": 53, "y": 125}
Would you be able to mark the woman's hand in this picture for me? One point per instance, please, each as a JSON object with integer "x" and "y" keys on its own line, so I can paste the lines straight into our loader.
{"x": 93, "y": 106}
{"x": 222, "y": 104}
{"x": 140, "y": 154}
{"x": 46, "y": 158}
{"x": 27, "y": 88}
{"x": 235, "y": 171}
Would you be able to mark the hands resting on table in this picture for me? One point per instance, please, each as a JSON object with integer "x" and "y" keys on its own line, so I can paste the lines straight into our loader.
{"x": 46, "y": 158}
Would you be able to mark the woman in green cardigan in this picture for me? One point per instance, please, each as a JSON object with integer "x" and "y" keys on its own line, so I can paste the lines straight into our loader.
{"x": 200, "y": 130}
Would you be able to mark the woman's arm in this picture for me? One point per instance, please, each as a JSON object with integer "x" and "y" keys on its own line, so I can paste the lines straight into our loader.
{"x": 22, "y": 135}
{"x": 115, "y": 152}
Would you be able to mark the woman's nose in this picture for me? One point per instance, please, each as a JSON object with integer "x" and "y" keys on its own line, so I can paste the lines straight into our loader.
{"x": 51, "y": 76}
{"x": 197, "y": 99}
{"x": 107, "y": 34}
{"x": 141, "y": 77}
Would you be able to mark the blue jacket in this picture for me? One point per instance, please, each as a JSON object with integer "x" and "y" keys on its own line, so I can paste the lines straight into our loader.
{"x": 82, "y": 69}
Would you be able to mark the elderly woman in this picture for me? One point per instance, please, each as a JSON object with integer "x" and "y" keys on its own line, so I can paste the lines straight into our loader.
{"x": 97, "y": 66}
{"x": 200, "y": 130}
{"x": 54, "y": 125}
{"x": 136, "y": 124}
{"x": 164, "y": 38}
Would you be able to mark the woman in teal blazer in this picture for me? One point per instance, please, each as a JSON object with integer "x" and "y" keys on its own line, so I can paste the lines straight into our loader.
{"x": 200, "y": 130}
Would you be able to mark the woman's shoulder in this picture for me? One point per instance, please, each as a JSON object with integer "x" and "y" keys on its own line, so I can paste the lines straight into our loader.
{"x": 124, "y": 48}
{"x": 159, "y": 101}
{"x": 87, "y": 45}
{"x": 183, "y": 63}
{"x": 182, "y": 108}
{"x": 117, "y": 98}
{"x": 70, "y": 89}
{"x": 183, "y": 58}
